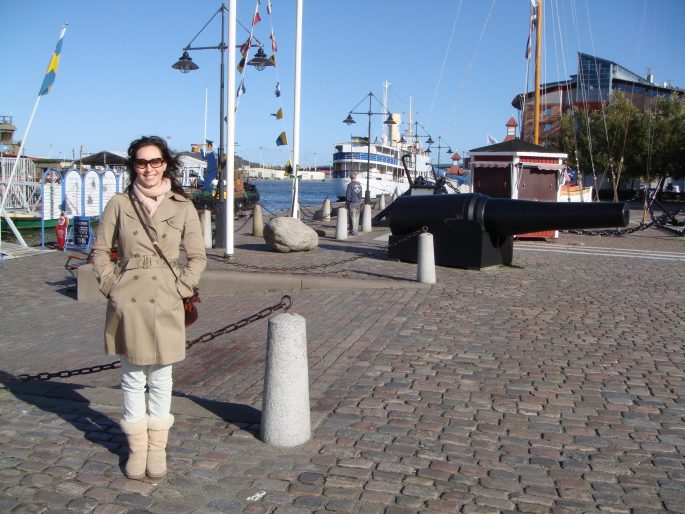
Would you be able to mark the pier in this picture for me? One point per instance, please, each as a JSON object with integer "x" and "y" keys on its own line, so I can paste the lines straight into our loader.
{"x": 556, "y": 384}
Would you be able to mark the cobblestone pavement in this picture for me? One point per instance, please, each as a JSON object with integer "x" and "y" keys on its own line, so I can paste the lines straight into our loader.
{"x": 553, "y": 385}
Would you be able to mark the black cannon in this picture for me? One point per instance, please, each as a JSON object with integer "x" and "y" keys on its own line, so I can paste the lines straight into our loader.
{"x": 475, "y": 231}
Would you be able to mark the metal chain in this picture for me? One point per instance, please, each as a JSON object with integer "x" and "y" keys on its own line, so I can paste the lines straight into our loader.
{"x": 247, "y": 218}
{"x": 285, "y": 304}
{"x": 378, "y": 251}
{"x": 657, "y": 221}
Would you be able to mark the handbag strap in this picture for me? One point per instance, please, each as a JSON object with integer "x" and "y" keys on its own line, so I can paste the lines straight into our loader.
{"x": 134, "y": 202}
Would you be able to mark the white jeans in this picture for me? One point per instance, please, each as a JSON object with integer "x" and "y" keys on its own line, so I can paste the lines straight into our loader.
{"x": 133, "y": 380}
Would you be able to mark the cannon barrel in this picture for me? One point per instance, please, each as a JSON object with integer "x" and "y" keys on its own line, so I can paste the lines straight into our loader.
{"x": 502, "y": 216}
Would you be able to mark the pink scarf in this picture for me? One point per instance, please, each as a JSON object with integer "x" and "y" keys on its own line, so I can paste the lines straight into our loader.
{"x": 151, "y": 197}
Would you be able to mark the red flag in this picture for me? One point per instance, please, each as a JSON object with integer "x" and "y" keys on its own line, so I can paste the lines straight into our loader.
{"x": 245, "y": 47}
{"x": 274, "y": 45}
{"x": 256, "y": 18}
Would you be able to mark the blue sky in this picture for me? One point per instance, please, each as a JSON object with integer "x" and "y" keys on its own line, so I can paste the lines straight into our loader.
{"x": 462, "y": 62}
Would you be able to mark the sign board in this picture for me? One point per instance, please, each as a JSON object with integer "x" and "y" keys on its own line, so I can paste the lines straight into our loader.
{"x": 81, "y": 227}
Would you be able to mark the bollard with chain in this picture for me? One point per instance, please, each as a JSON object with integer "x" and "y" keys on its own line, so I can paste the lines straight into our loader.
{"x": 425, "y": 269}
{"x": 341, "y": 226}
{"x": 326, "y": 210}
{"x": 285, "y": 407}
{"x": 366, "y": 218}
{"x": 257, "y": 221}
{"x": 206, "y": 222}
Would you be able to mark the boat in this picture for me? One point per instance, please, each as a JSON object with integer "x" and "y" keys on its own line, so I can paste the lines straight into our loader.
{"x": 387, "y": 176}
{"x": 380, "y": 163}
{"x": 245, "y": 195}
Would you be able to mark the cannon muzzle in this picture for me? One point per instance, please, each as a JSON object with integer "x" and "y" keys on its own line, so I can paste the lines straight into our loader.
{"x": 474, "y": 230}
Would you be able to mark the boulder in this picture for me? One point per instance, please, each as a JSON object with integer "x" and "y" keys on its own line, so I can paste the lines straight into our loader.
{"x": 286, "y": 234}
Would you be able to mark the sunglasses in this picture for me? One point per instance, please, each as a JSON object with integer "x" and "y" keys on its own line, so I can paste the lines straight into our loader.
{"x": 154, "y": 163}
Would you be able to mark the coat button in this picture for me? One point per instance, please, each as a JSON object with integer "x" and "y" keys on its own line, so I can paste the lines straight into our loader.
{"x": 135, "y": 277}
{"x": 152, "y": 300}
{"x": 133, "y": 300}
{"x": 135, "y": 232}
{"x": 154, "y": 277}
{"x": 136, "y": 255}
{"x": 163, "y": 236}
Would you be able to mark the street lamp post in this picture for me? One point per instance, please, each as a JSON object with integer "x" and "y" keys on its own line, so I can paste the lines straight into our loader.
{"x": 185, "y": 64}
{"x": 439, "y": 147}
{"x": 349, "y": 121}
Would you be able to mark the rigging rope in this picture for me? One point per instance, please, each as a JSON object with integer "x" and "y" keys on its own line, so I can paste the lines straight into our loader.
{"x": 444, "y": 62}
{"x": 468, "y": 68}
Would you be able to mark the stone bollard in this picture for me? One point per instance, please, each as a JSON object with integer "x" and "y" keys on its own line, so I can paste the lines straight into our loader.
{"x": 326, "y": 210}
{"x": 393, "y": 197}
{"x": 341, "y": 227}
{"x": 381, "y": 202}
{"x": 425, "y": 270}
{"x": 285, "y": 407}
{"x": 366, "y": 218}
{"x": 206, "y": 222}
{"x": 257, "y": 221}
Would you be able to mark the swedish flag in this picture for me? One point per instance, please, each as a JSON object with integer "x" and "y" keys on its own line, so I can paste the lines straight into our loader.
{"x": 51, "y": 72}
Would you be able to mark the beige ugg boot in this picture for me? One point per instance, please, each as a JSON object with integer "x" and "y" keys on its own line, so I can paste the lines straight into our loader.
{"x": 136, "y": 433}
{"x": 158, "y": 433}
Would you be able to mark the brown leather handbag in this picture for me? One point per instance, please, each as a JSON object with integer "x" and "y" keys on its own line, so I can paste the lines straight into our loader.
{"x": 189, "y": 307}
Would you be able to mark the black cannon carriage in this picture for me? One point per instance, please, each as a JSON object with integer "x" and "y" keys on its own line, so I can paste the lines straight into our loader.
{"x": 474, "y": 231}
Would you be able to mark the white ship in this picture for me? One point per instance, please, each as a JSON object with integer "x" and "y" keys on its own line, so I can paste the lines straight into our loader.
{"x": 382, "y": 161}
{"x": 387, "y": 173}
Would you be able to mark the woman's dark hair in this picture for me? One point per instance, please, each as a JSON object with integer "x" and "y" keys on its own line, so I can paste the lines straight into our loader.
{"x": 173, "y": 162}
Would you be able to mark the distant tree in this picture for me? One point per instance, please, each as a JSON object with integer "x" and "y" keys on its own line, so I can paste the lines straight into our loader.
{"x": 610, "y": 141}
{"x": 665, "y": 152}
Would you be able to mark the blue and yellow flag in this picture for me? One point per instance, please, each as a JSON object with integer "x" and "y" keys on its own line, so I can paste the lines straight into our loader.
{"x": 52, "y": 67}
{"x": 281, "y": 139}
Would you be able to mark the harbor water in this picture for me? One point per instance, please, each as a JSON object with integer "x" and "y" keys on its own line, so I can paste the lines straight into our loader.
{"x": 276, "y": 195}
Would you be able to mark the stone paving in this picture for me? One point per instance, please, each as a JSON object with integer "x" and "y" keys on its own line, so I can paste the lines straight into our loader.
{"x": 553, "y": 385}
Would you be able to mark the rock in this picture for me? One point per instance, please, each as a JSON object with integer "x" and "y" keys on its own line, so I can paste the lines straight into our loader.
{"x": 286, "y": 234}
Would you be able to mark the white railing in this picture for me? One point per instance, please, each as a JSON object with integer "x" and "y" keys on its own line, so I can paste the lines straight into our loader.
{"x": 24, "y": 192}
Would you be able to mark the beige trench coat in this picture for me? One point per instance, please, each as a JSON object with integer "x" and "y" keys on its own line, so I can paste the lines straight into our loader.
{"x": 145, "y": 317}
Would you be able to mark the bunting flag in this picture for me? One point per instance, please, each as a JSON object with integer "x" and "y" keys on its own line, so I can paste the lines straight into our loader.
{"x": 272, "y": 59}
{"x": 268, "y": 7}
{"x": 274, "y": 45}
{"x": 256, "y": 19}
{"x": 278, "y": 114}
{"x": 245, "y": 47}
{"x": 241, "y": 89}
{"x": 281, "y": 139}
{"x": 241, "y": 65}
{"x": 278, "y": 89}
{"x": 51, "y": 72}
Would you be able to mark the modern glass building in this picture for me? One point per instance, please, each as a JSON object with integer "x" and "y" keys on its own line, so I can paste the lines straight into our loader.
{"x": 592, "y": 85}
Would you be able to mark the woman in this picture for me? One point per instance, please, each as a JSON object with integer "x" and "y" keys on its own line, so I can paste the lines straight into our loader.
{"x": 145, "y": 317}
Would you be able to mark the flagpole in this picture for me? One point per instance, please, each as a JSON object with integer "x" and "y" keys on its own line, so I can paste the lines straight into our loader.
{"x": 230, "y": 146}
{"x": 296, "y": 115}
{"x": 44, "y": 90}
{"x": 14, "y": 171}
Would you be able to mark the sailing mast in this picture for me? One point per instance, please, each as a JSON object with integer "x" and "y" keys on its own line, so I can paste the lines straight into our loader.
{"x": 538, "y": 44}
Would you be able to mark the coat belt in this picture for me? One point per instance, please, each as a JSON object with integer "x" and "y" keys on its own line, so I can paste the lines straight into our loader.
{"x": 144, "y": 261}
